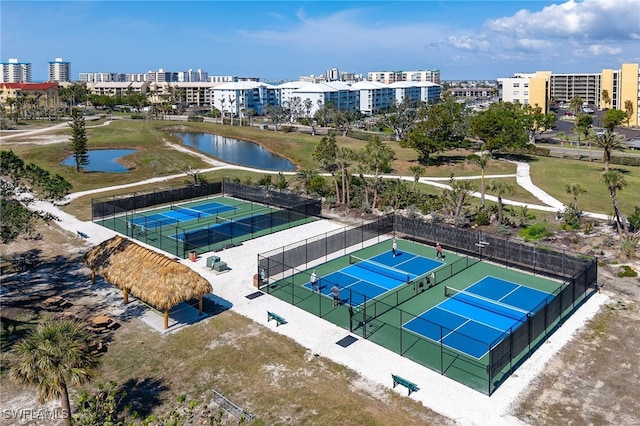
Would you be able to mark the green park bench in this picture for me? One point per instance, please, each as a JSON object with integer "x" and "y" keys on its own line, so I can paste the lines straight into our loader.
{"x": 397, "y": 380}
{"x": 277, "y": 318}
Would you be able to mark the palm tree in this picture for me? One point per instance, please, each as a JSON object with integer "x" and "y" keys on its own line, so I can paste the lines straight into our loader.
{"x": 606, "y": 98}
{"x": 343, "y": 158}
{"x": 575, "y": 189}
{"x": 500, "y": 188}
{"x": 608, "y": 141}
{"x": 576, "y": 105}
{"x": 482, "y": 160}
{"x": 456, "y": 197}
{"x": 563, "y": 138}
{"x": 378, "y": 157}
{"x": 616, "y": 181}
{"x": 417, "y": 172}
{"x": 304, "y": 176}
{"x": 628, "y": 108}
{"x": 54, "y": 355}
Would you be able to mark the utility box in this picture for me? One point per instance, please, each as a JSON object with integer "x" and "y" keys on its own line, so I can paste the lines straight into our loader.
{"x": 220, "y": 266}
{"x": 212, "y": 260}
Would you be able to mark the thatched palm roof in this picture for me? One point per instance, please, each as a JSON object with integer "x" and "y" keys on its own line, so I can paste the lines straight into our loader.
{"x": 147, "y": 275}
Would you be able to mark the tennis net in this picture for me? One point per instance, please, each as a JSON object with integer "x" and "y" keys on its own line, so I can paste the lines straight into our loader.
{"x": 233, "y": 223}
{"x": 487, "y": 304}
{"x": 189, "y": 212}
{"x": 380, "y": 268}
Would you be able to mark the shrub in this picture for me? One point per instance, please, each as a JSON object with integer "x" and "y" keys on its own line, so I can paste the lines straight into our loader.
{"x": 634, "y": 219}
{"x": 137, "y": 117}
{"x": 627, "y": 272}
{"x": 288, "y": 129}
{"x": 195, "y": 118}
{"x": 482, "y": 218}
{"x": 535, "y": 232}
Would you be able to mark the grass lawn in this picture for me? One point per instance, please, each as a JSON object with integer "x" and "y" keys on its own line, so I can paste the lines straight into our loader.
{"x": 149, "y": 137}
{"x": 553, "y": 175}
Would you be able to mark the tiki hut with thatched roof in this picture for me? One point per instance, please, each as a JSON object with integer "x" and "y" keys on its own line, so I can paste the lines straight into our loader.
{"x": 147, "y": 275}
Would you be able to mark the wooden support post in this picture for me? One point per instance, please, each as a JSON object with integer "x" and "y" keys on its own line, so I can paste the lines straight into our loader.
{"x": 93, "y": 276}
{"x": 166, "y": 318}
{"x": 200, "y": 305}
{"x": 125, "y": 295}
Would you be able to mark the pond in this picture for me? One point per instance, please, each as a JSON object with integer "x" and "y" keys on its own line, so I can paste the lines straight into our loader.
{"x": 236, "y": 151}
{"x": 103, "y": 160}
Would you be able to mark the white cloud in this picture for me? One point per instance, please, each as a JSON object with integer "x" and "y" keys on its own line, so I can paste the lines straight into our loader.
{"x": 599, "y": 49}
{"x": 589, "y": 19}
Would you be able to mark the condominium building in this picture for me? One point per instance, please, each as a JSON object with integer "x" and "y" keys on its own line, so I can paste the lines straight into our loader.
{"x": 192, "y": 76}
{"x": 42, "y": 98}
{"x": 516, "y": 88}
{"x": 101, "y": 77}
{"x": 374, "y": 97}
{"x": 621, "y": 87}
{"x": 59, "y": 70}
{"x": 161, "y": 76}
{"x": 239, "y": 97}
{"x": 388, "y": 77}
{"x": 14, "y": 71}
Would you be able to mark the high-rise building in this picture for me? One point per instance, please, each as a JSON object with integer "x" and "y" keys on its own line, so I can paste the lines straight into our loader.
{"x": 59, "y": 70}
{"x": 388, "y": 77}
{"x": 15, "y": 71}
{"x": 622, "y": 89}
{"x": 102, "y": 77}
{"x": 333, "y": 74}
{"x": 162, "y": 76}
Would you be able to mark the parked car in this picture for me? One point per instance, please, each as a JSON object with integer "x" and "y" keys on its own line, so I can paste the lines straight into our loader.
{"x": 633, "y": 143}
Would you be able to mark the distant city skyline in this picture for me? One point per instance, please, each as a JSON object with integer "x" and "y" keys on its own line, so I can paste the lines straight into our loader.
{"x": 465, "y": 40}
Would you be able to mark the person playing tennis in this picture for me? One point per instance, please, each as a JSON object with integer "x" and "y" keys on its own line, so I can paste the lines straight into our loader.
{"x": 394, "y": 247}
{"x": 336, "y": 295}
{"x": 314, "y": 281}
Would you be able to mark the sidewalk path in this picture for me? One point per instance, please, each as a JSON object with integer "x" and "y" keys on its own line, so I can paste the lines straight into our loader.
{"x": 523, "y": 178}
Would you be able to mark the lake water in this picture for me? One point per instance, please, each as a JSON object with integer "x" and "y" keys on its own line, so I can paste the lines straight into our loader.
{"x": 236, "y": 151}
{"x": 103, "y": 160}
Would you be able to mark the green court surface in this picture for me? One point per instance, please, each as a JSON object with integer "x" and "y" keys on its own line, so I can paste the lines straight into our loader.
{"x": 204, "y": 225}
{"x": 382, "y": 319}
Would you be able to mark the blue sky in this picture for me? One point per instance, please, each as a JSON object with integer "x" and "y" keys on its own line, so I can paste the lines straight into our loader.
{"x": 287, "y": 39}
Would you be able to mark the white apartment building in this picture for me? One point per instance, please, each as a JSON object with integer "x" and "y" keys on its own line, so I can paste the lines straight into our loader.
{"x": 59, "y": 70}
{"x": 516, "y": 88}
{"x": 317, "y": 95}
{"x": 221, "y": 79}
{"x": 429, "y": 92}
{"x": 239, "y": 97}
{"x": 404, "y": 89}
{"x": 388, "y": 77}
{"x": 15, "y": 71}
{"x": 161, "y": 76}
{"x": 192, "y": 76}
{"x": 101, "y": 77}
{"x": 373, "y": 97}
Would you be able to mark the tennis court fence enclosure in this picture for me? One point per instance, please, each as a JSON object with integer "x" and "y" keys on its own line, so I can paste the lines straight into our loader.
{"x": 381, "y": 319}
{"x": 186, "y": 219}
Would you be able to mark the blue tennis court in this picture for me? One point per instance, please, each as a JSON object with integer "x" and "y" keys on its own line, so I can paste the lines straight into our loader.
{"x": 365, "y": 279}
{"x": 472, "y": 320}
{"x": 179, "y": 214}
{"x": 226, "y": 229}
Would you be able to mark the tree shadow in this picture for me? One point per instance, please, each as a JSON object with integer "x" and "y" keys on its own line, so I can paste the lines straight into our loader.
{"x": 13, "y": 331}
{"x": 142, "y": 395}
